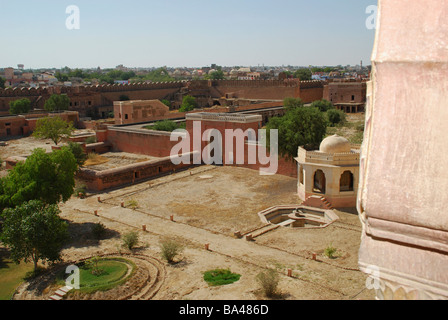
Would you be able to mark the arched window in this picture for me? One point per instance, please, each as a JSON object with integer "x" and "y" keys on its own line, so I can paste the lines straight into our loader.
{"x": 346, "y": 183}
{"x": 319, "y": 182}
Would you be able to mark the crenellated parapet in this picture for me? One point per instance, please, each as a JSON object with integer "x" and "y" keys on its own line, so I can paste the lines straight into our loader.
{"x": 24, "y": 92}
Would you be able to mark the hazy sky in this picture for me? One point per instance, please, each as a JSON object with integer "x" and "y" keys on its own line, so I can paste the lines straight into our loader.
{"x": 177, "y": 33}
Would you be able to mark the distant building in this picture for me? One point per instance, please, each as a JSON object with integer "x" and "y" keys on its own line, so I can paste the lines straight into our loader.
{"x": 347, "y": 96}
{"x": 135, "y": 111}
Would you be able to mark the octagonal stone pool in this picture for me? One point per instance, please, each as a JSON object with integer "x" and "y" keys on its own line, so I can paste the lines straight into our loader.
{"x": 298, "y": 216}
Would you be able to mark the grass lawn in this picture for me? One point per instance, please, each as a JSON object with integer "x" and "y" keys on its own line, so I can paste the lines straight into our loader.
{"x": 11, "y": 276}
{"x": 113, "y": 273}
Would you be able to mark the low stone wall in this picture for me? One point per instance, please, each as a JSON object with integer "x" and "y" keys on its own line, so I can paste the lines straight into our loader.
{"x": 130, "y": 174}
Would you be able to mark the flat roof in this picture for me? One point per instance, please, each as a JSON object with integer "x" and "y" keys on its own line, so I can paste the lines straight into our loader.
{"x": 225, "y": 117}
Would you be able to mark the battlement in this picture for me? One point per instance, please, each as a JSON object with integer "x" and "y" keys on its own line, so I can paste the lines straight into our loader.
{"x": 40, "y": 91}
{"x": 24, "y": 92}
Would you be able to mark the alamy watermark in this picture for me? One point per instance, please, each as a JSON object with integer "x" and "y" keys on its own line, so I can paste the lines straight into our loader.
{"x": 373, "y": 281}
{"x": 73, "y": 280}
{"x": 73, "y": 21}
{"x": 372, "y": 11}
{"x": 214, "y": 149}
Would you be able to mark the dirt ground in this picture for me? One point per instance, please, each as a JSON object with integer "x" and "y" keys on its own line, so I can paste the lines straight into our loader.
{"x": 209, "y": 204}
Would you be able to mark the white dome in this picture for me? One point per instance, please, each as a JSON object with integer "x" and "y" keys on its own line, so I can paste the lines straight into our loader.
{"x": 335, "y": 144}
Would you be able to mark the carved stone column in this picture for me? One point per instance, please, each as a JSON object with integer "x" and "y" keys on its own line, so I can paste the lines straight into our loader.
{"x": 403, "y": 189}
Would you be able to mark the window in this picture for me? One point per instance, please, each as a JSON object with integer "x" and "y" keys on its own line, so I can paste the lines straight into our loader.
{"x": 346, "y": 183}
{"x": 353, "y": 98}
{"x": 126, "y": 116}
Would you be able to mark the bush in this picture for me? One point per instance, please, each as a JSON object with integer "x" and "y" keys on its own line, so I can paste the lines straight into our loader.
{"x": 219, "y": 277}
{"x": 165, "y": 125}
{"x": 269, "y": 281}
{"x": 170, "y": 249}
{"x": 20, "y": 106}
{"x": 91, "y": 140}
{"x": 82, "y": 189}
{"x": 188, "y": 104}
{"x": 78, "y": 152}
{"x": 98, "y": 230}
{"x": 186, "y": 108}
{"x": 166, "y": 102}
{"x": 323, "y": 105}
{"x": 130, "y": 240}
{"x": 330, "y": 251}
{"x": 335, "y": 117}
{"x": 133, "y": 204}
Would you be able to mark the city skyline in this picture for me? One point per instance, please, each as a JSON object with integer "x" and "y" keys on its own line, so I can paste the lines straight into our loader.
{"x": 177, "y": 34}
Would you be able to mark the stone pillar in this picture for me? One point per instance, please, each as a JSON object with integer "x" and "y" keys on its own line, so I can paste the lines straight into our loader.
{"x": 402, "y": 198}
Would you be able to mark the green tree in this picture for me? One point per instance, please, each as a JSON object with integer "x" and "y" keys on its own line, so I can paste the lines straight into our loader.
{"x": 166, "y": 102}
{"x": 300, "y": 126}
{"x": 61, "y": 77}
{"x": 323, "y": 105}
{"x": 48, "y": 177}
{"x": 78, "y": 152}
{"x": 335, "y": 117}
{"x": 2, "y": 83}
{"x": 158, "y": 75}
{"x": 290, "y": 103}
{"x": 20, "y": 106}
{"x": 34, "y": 231}
{"x": 57, "y": 102}
{"x": 189, "y": 103}
{"x": 303, "y": 74}
{"x": 54, "y": 128}
{"x": 215, "y": 75}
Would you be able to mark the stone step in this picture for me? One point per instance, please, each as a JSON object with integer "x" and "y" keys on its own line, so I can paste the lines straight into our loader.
{"x": 66, "y": 289}
{"x": 287, "y": 222}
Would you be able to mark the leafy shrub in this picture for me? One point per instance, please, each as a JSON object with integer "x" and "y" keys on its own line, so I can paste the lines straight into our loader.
{"x": 335, "y": 117}
{"x": 91, "y": 140}
{"x": 78, "y": 152}
{"x": 92, "y": 264}
{"x": 323, "y": 105}
{"x": 330, "y": 251}
{"x": 166, "y": 102}
{"x": 189, "y": 103}
{"x": 219, "y": 277}
{"x": 165, "y": 125}
{"x": 186, "y": 108}
{"x": 130, "y": 240}
{"x": 170, "y": 249}
{"x": 80, "y": 190}
{"x": 269, "y": 281}
{"x": 133, "y": 204}
{"x": 20, "y": 106}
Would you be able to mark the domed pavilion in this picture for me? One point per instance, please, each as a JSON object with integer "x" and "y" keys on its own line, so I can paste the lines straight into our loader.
{"x": 329, "y": 177}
